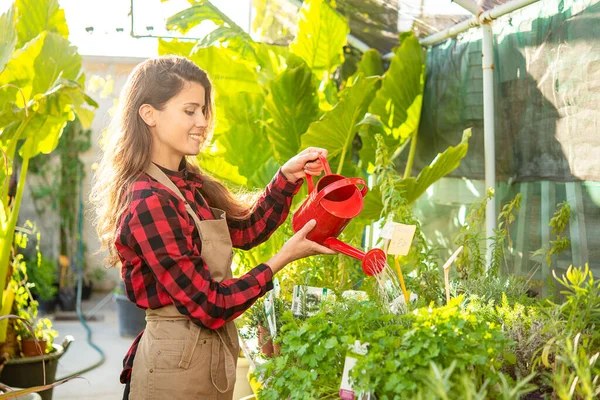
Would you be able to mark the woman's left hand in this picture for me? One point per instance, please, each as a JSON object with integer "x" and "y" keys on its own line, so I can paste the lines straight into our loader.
{"x": 305, "y": 163}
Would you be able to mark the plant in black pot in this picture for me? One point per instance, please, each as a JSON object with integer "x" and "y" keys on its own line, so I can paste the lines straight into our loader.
{"x": 67, "y": 293}
{"x": 132, "y": 320}
{"x": 41, "y": 271}
{"x": 89, "y": 277}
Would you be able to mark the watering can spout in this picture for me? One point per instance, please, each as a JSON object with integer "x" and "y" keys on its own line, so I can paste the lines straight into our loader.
{"x": 373, "y": 261}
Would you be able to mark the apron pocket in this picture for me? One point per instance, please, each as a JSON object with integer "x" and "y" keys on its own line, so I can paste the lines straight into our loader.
{"x": 166, "y": 354}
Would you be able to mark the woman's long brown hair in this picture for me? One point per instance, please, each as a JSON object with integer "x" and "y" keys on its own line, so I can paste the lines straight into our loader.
{"x": 127, "y": 146}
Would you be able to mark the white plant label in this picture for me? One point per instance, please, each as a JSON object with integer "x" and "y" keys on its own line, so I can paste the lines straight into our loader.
{"x": 401, "y": 239}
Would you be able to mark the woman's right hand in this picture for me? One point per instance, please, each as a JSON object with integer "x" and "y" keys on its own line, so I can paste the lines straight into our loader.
{"x": 298, "y": 247}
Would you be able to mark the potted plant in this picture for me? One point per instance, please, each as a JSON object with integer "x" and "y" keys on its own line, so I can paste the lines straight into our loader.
{"x": 256, "y": 321}
{"x": 41, "y": 271}
{"x": 45, "y": 335}
{"x": 90, "y": 276}
{"x": 132, "y": 320}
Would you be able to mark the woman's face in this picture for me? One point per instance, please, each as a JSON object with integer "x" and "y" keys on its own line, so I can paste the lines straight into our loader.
{"x": 181, "y": 127}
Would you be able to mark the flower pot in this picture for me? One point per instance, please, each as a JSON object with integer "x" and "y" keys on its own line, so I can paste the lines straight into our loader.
{"x": 46, "y": 307}
{"x": 28, "y": 372}
{"x": 29, "y": 348}
{"x": 265, "y": 342}
{"x": 132, "y": 320}
{"x": 67, "y": 299}
{"x": 86, "y": 290}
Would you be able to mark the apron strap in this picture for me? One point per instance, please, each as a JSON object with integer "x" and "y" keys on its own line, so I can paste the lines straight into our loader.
{"x": 161, "y": 177}
{"x": 230, "y": 368}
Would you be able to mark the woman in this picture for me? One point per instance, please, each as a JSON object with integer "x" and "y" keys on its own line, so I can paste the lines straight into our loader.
{"x": 172, "y": 228}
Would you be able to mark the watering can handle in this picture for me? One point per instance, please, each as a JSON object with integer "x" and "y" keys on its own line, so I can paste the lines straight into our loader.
{"x": 309, "y": 178}
{"x": 340, "y": 184}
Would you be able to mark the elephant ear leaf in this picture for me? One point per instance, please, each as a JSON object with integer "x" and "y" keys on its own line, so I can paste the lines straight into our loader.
{"x": 291, "y": 105}
{"x": 398, "y": 102}
{"x": 246, "y": 146}
{"x": 442, "y": 165}
{"x": 37, "y": 16}
{"x": 336, "y": 130}
{"x": 321, "y": 37}
{"x": 8, "y": 36}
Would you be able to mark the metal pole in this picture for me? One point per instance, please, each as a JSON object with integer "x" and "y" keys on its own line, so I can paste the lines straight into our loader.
{"x": 487, "y": 53}
{"x": 486, "y": 16}
{"x": 489, "y": 134}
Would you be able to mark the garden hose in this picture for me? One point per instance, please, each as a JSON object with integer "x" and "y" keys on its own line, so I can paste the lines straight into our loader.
{"x": 80, "y": 284}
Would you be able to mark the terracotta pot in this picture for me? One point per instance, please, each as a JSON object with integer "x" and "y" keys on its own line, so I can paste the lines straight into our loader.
{"x": 276, "y": 349}
{"x": 266, "y": 346}
{"x": 29, "y": 349}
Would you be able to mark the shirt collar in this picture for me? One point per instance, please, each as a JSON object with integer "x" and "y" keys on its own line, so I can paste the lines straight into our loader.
{"x": 184, "y": 173}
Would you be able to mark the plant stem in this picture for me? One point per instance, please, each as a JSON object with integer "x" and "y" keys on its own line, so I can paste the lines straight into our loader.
{"x": 411, "y": 154}
{"x": 341, "y": 164}
{"x": 12, "y": 222}
{"x": 400, "y": 149}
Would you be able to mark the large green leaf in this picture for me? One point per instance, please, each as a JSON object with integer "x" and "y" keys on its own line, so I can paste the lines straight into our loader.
{"x": 399, "y": 100}
{"x": 215, "y": 165}
{"x": 43, "y": 131}
{"x": 50, "y": 111}
{"x": 37, "y": 16}
{"x": 370, "y": 64}
{"x": 321, "y": 37}
{"x": 246, "y": 144}
{"x": 442, "y": 165}
{"x": 201, "y": 10}
{"x": 263, "y": 174}
{"x": 229, "y": 72}
{"x": 175, "y": 47}
{"x": 20, "y": 71}
{"x": 271, "y": 61}
{"x": 8, "y": 36}
{"x": 372, "y": 206}
{"x": 226, "y": 31}
{"x": 58, "y": 58}
{"x": 336, "y": 130}
{"x": 370, "y": 126}
{"x": 292, "y": 106}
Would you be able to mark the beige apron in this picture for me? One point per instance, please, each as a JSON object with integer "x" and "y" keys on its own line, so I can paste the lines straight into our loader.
{"x": 176, "y": 359}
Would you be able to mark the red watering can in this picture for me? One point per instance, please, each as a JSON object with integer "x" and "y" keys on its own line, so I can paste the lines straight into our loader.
{"x": 333, "y": 203}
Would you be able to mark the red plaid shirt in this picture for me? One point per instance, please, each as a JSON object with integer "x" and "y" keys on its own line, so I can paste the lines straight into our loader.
{"x": 159, "y": 246}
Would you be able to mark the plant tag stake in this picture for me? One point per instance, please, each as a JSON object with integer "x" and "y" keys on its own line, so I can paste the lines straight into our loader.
{"x": 401, "y": 239}
{"x": 355, "y": 351}
{"x": 276, "y": 287}
{"x": 270, "y": 313}
{"x": 446, "y": 269}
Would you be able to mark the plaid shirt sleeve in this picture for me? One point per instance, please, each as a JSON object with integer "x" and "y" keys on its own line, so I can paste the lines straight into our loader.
{"x": 270, "y": 211}
{"x": 162, "y": 237}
